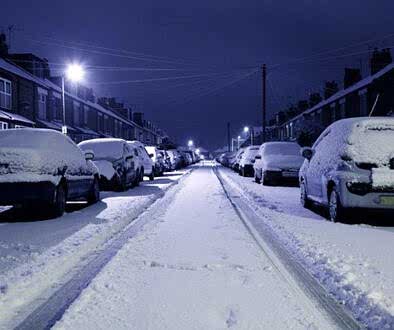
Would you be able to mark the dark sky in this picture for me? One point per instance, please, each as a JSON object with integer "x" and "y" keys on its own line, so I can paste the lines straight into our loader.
{"x": 214, "y": 42}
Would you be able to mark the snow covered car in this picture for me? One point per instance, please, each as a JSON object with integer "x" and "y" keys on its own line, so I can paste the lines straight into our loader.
{"x": 166, "y": 158}
{"x": 157, "y": 158}
{"x": 277, "y": 161}
{"x": 351, "y": 165}
{"x": 237, "y": 159}
{"x": 43, "y": 168}
{"x": 247, "y": 161}
{"x": 115, "y": 161}
{"x": 147, "y": 165}
{"x": 175, "y": 159}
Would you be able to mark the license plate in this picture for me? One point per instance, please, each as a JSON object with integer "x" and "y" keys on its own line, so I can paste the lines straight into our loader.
{"x": 288, "y": 174}
{"x": 387, "y": 200}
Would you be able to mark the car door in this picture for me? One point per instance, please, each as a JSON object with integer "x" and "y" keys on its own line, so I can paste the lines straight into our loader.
{"x": 318, "y": 165}
{"x": 80, "y": 176}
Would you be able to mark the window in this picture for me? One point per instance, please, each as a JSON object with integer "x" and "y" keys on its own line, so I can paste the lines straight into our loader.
{"x": 85, "y": 115}
{"x": 5, "y": 94}
{"x": 76, "y": 110}
{"x": 363, "y": 103}
{"x": 19, "y": 126}
{"x": 42, "y": 103}
{"x": 100, "y": 118}
{"x": 3, "y": 125}
{"x": 57, "y": 111}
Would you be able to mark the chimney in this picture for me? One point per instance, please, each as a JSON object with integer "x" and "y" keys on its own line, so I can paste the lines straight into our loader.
{"x": 351, "y": 77}
{"x": 330, "y": 88}
{"x": 3, "y": 46}
{"x": 380, "y": 59}
{"x": 138, "y": 118}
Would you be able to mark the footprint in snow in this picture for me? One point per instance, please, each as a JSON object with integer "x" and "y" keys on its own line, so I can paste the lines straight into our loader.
{"x": 232, "y": 319}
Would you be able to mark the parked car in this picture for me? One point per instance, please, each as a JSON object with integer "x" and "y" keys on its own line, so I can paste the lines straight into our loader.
{"x": 238, "y": 155}
{"x": 115, "y": 161}
{"x": 175, "y": 159}
{"x": 247, "y": 161}
{"x": 44, "y": 169}
{"x": 350, "y": 166}
{"x": 147, "y": 167}
{"x": 157, "y": 158}
{"x": 167, "y": 160}
{"x": 277, "y": 162}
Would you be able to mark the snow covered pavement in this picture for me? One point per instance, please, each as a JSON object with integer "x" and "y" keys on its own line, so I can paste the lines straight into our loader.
{"x": 37, "y": 257}
{"x": 353, "y": 262}
{"x": 193, "y": 266}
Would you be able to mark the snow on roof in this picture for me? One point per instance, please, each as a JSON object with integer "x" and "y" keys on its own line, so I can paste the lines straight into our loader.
{"x": 8, "y": 66}
{"x": 15, "y": 117}
{"x": 342, "y": 93}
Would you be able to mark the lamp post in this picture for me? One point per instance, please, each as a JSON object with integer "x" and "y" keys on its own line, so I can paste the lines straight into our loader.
{"x": 246, "y": 130}
{"x": 75, "y": 73}
{"x": 238, "y": 140}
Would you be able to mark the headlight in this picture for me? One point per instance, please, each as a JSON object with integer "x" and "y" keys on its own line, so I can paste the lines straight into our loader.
{"x": 359, "y": 188}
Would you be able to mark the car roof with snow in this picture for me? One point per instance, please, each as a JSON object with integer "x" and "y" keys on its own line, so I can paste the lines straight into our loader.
{"x": 104, "y": 148}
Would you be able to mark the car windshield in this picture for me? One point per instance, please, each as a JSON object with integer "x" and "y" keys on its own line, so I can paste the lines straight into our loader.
{"x": 288, "y": 149}
{"x": 107, "y": 149}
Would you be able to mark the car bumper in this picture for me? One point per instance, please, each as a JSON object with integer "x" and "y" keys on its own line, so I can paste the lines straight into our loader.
{"x": 106, "y": 184}
{"x": 14, "y": 193}
{"x": 288, "y": 176}
{"x": 373, "y": 200}
{"x": 248, "y": 170}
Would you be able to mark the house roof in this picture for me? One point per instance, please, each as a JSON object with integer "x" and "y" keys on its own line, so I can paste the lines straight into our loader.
{"x": 342, "y": 93}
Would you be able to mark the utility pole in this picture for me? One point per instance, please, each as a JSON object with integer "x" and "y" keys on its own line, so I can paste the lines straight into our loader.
{"x": 264, "y": 100}
{"x": 228, "y": 136}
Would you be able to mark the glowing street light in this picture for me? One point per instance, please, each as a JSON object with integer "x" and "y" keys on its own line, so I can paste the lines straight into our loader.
{"x": 190, "y": 143}
{"x": 75, "y": 73}
{"x": 246, "y": 129}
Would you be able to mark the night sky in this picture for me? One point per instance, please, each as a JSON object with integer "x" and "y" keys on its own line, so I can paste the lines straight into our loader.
{"x": 214, "y": 43}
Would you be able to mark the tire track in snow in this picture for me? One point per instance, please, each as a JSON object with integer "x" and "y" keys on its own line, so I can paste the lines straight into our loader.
{"x": 298, "y": 278}
{"x": 52, "y": 310}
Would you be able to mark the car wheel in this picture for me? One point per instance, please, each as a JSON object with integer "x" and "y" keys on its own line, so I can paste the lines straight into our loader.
{"x": 152, "y": 175}
{"x": 137, "y": 179}
{"x": 142, "y": 175}
{"x": 335, "y": 208}
{"x": 122, "y": 183}
{"x": 256, "y": 178}
{"x": 94, "y": 195}
{"x": 57, "y": 208}
{"x": 305, "y": 202}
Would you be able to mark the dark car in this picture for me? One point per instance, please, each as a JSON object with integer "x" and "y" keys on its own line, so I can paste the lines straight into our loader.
{"x": 43, "y": 169}
{"x": 115, "y": 161}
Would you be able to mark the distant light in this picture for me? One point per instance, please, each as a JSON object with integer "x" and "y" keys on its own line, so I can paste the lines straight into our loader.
{"x": 202, "y": 157}
{"x": 239, "y": 137}
{"x": 190, "y": 143}
{"x": 197, "y": 151}
{"x": 246, "y": 129}
{"x": 75, "y": 72}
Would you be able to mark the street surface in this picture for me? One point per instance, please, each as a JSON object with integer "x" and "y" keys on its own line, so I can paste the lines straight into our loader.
{"x": 205, "y": 253}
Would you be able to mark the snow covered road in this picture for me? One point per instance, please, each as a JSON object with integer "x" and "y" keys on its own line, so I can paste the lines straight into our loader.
{"x": 193, "y": 266}
{"x": 37, "y": 257}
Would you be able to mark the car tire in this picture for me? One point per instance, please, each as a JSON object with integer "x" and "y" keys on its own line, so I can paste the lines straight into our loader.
{"x": 305, "y": 201}
{"x": 94, "y": 194}
{"x": 142, "y": 174}
{"x": 137, "y": 179}
{"x": 152, "y": 175}
{"x": 256, "y": 178}
{"x": 335, "y": 209}
{"x": 122, "y": 184}
{"x": 58, "y": 206}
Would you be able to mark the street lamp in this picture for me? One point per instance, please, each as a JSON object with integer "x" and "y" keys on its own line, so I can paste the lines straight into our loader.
{"x": 74, "y": 73}
{"x": 190, "y": 143}
{"x": 238, "y": 140}
{"x": 246, "y": 130}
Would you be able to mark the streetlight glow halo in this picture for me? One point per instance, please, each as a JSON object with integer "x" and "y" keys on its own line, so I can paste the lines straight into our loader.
{"x": 75, "y": 72}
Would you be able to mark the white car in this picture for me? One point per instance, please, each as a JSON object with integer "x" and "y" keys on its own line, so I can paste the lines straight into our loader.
{"x": 350, "y": 166}
{"x": 277, "y": 161}
{"x": 145, "y": 161}
{"x": 247, "y": 161}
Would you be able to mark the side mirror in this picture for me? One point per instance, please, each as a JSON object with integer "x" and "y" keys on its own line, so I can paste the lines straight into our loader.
{"x": 257, "y": 157}
{"x": 128, "y": 158}
{"x": 89, "y": 155}
{"x": 151, "y": 155}
{"x": 307, "y": 153}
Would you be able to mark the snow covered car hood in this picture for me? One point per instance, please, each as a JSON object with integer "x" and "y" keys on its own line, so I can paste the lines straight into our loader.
{"x": 283, "y": 162}
{"x": 105, "y": 168}
{"x": 33, "y": 155}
